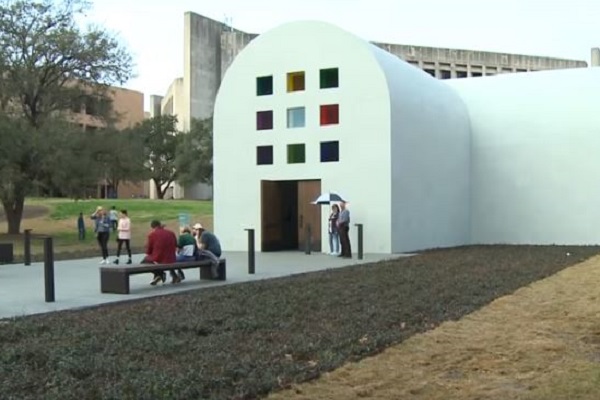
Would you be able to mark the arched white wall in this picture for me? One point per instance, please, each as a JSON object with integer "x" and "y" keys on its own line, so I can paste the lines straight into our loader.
{"x": 363, "y": 173}
{"x": 535, "y": 150}
{"x": 430, "y": 162}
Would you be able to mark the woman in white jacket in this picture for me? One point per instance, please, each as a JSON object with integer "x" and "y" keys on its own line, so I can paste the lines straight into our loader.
{"x": 123, "y": 235}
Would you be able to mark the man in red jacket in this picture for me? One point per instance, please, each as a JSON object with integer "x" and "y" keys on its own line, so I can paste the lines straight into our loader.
{"x": 161, "y": 248}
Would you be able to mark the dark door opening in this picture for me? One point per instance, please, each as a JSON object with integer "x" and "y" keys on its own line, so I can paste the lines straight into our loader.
{"x": 287, "y": 215}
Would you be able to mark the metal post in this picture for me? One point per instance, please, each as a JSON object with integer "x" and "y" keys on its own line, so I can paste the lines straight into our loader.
{"x": 49, "y": 269}
{"x": 308, "y": 240}
{"x": 360, "y": 240}
{"x": 251, "y": 255}
{"x": 27, "y": 249}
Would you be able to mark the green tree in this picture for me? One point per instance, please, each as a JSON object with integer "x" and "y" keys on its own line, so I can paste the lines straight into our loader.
{"x": 195, "y": 153}
{"x": 121, "y": 156}
{"x": 47, "y": 64}
{"x": 74, "y": 166}
{"x": 160, "y": 139}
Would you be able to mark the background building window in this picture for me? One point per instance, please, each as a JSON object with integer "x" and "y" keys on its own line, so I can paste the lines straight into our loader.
{"x": 330, "y": 114}
{"x": 97, "y": 106}
{"x": 329, "y": 78}
{"x": 296, "y": 153}
{"x": 264, "y": 85}
{"x": 295, "y": 81}
{"x": 264, "y": 155}
{"x": 264, "y": 120}
{"x": 330, "y": 151}
{"x": 296, "y": 117}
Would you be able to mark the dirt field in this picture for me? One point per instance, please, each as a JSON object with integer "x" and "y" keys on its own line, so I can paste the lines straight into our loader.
{"x": 540, "y": 343}
{"x": 29, "y": 211}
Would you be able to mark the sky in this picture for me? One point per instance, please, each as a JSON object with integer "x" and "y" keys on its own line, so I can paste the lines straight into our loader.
{"x": 153, "y": 29}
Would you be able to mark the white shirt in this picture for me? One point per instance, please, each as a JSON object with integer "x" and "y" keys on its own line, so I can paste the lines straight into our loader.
{"x": 124, "y": 228}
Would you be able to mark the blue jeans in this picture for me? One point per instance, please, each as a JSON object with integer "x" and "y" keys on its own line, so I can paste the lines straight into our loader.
{"x": 334, "y": 242}
{"x": 182, "y": 258}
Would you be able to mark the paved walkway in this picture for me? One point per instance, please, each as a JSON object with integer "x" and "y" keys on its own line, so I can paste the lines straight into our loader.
{"x": 78, "y": 281}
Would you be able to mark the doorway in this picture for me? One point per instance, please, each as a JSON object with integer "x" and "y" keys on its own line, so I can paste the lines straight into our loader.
{"x": 287, "y": 215}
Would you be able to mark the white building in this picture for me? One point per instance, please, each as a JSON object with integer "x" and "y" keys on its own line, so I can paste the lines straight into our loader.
{"x": 309, "y": 108}
{"x": 535, "y": 150}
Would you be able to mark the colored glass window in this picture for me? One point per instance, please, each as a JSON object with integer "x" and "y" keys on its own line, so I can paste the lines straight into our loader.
{"x": 264, "y": 120}
{"x": 329, "y": 78}
{"x": 295, "y": 81}
{"x": 330, "y": 114}
{"x": 330, "y": 151}
{"x": 296, "y": 153}
{"x": 264, "y": 85}
{"x": 296, "y": 117}
{"x": 264, "y": 155}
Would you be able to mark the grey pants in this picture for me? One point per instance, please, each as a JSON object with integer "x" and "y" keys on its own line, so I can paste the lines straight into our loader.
{"x": 202, "y": 254}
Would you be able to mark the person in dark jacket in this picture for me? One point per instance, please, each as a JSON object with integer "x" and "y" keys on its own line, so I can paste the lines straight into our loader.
{"x": 343, "y": 224}
{"x": 208, "y": 246}
{"x": 81, "y": 226}
{"x": 102, "y": 230}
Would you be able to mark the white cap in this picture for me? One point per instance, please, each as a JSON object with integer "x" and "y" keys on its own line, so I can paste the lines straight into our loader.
{"x": 197, "y": 226}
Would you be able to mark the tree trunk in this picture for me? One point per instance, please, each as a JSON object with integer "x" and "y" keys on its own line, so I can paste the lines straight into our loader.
{"x": 13, "y": 208}
{"x": 160, "y": 193}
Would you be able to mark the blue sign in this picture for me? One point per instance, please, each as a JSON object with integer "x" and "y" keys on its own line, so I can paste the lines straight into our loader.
{"x": 184, "y": 220}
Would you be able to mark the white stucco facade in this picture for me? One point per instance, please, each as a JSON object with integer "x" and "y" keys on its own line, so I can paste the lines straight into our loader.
{"x": 384, "y": 132}
{"x": 535, "y": 157}
{"x": 424, "y": 163}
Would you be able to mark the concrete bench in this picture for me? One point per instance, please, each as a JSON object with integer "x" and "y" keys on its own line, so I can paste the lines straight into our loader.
{"x": 116, "y": 279}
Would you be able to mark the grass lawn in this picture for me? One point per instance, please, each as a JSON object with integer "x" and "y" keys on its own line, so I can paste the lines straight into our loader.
{"x": 58, "y": 218}
{"x": 245, "y": 341}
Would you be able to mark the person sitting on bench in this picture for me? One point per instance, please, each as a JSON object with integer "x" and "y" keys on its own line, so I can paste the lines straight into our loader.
{"x": 160, "y": 249}
{"x": 186, "y": 248}
{"x": 208, "y": 247}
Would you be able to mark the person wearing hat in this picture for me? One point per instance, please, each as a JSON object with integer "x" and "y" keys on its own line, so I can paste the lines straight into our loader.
{"x": 186, "y": 248}
{"x": 161, "y": 247}
{"x": 208, "y": 247}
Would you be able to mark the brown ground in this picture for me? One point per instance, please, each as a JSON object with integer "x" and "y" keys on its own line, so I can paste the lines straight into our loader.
{"x": 542, "y": 342}
{"x": 29, "y": 211}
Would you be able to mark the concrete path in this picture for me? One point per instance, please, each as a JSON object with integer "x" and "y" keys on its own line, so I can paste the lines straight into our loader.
{"x": 77, "y": 282}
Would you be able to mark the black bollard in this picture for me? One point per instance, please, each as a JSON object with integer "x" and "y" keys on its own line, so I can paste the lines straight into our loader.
{"x": 251, "y": 255}
{"x": 308, "y": 240}
{"x": 360, "y": 240}
{"x": 27, "y": 249}
{"x": 49, "y": 269}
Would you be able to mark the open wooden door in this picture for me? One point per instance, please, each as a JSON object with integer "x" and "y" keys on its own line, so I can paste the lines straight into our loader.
{"x": 271, "y": 202}
{"x": 309, "y": 214}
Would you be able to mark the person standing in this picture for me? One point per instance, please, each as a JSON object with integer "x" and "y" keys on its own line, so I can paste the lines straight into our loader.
{"x": 123, "y": 236}
{"x": 81, "y": 226}
{"x": 208, "y": 247}
{"x": 102, "y": 230}
{"x": 114, "y": 218}
{"x": 334, "y": 236}
{"x": 343, "y": 224}
{"x": 161, "y": 247}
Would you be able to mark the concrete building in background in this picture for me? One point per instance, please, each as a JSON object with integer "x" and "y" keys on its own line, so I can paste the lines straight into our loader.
{"x": 424, "y": 162}
{"x": 211, "y": 46}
